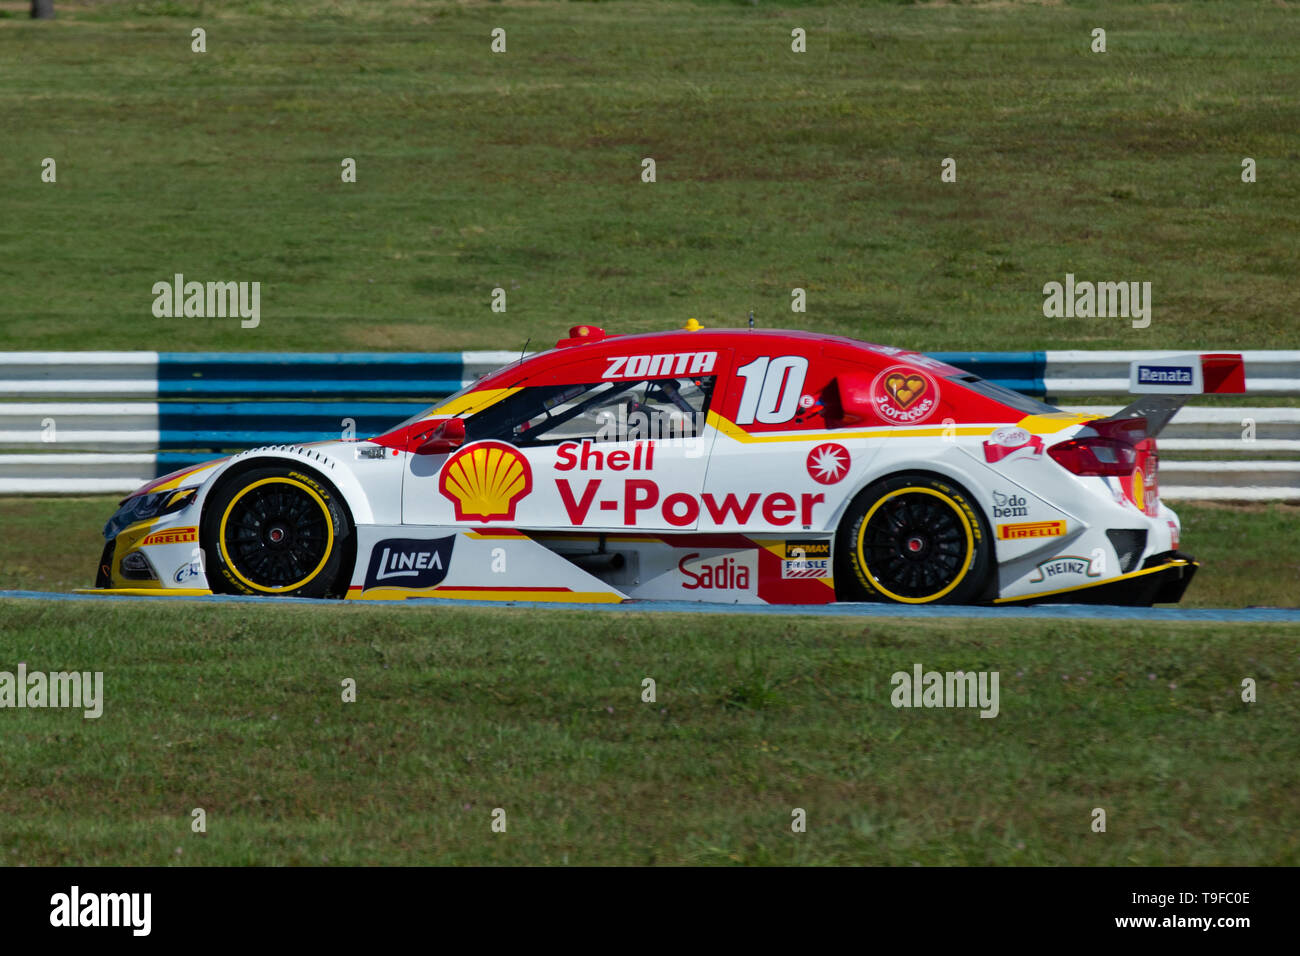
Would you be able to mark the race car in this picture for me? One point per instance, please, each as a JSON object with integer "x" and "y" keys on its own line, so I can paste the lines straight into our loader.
{"x": 724, "y": 465}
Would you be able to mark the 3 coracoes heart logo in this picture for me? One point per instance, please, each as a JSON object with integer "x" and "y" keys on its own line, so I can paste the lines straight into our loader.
{"x": 904, "y": 396}
{"x": 485, "y": 481}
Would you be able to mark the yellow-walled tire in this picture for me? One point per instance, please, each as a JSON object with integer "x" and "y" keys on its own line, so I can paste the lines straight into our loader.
{"x": 274, "y": 532}
{"x": 913, "y": 539}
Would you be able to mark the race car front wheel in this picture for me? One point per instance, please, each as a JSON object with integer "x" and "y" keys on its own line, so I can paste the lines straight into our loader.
{"x": 915, "y": 539}
{"x": 274, "y": 531}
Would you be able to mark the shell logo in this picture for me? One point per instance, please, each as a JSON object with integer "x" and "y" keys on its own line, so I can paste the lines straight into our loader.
{"x": 485, "y": 481}
{"x": 1139, "y": 489}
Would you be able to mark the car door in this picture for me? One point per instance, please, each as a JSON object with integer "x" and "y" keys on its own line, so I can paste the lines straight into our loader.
{"x": 578, "y": 447}
{"x": 778, "y": 465}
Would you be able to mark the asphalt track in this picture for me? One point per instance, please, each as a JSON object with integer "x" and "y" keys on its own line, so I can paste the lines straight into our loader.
{"x": 1247, "y": 615}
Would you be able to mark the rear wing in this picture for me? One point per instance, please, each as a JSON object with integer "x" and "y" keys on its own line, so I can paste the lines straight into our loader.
{"x": 1165, "y": 384}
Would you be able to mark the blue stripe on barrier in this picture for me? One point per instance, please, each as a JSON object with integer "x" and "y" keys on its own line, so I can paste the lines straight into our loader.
{"x": 305, "y": 374}
{"x": 167, "y": 462}
{"x": 1022, "y": 371}
{"x": 223, "y": 425}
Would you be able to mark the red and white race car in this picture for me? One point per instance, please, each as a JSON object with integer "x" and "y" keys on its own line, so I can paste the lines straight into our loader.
{"x": 732, "y": 466}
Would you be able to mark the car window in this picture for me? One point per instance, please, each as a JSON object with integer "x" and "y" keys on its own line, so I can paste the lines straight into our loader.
{"x": 599, "y": 411}
{"x": 1020, "y": 402}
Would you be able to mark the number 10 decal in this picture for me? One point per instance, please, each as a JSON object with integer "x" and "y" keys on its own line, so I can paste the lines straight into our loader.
{"x": 772, "y": 389}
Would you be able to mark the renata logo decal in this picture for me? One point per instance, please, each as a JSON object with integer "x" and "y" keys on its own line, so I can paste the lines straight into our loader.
{"x": 409, "y": 562}
{"x": 725, "y": 574}
{"x": 172, "y": 536}
{"x": 1031, "y": 529}
{"x": 828, "y": 463}
{"x": 1166, "y": 375}
{"x": 1007, "y": 442}
{"x": 485, "y": 481}
{"x": 682, "y": 509}
{"x": 660, "y": 366}
{"x": 588, "y": 456}
{"x": 806, "y": 559}
{"x": 904, "y": 396}
{"x": 1066, "y": 564}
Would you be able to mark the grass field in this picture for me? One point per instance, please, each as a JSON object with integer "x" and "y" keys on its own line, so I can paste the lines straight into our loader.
{"x": 521, "y": 170}
{"x": 237, "y": 710}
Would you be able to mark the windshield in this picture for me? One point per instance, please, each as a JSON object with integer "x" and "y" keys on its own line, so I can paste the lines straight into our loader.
{"x": 421, "y": 415}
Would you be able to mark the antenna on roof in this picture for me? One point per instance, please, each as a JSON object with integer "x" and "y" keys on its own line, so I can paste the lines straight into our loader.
{"x": 524, "y": 350}
{"x": 751, "y": 320}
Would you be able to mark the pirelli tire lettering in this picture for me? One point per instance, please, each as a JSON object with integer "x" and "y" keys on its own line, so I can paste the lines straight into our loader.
{"x": 916, "y": 539}
{"x": 275, "y": 531}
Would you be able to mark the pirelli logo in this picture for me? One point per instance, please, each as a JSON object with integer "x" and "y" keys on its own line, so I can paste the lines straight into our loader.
{"x": 1031, "y": 529}
{"x": 172, "y": 536}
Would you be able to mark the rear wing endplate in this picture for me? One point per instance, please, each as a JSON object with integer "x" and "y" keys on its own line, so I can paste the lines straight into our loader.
{"x": 1165, "y": 384}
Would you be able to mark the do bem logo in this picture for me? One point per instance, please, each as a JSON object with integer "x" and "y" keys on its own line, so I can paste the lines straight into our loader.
{"x": 1009, "y": 506}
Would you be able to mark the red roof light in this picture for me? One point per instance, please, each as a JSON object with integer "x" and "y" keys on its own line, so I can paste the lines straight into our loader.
{"x": 580, "y": 335}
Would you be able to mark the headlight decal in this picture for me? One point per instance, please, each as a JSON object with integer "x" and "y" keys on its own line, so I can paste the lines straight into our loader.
{"x": 144, "y": 507}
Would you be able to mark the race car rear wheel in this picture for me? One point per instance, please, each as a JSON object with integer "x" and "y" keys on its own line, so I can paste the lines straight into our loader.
{"x": 914, "y": 539}
{"x": 274, "y": 531}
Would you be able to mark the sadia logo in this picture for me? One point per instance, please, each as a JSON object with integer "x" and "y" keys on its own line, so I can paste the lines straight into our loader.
{"x": 730, "y": 573}
{"x": 485, "y": 481}
{"x": 409, "y": 562}
{"x": 1009, "y": 506}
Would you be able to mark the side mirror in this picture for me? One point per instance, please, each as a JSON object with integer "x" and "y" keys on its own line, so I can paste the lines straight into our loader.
{"x": 446, "y": 437}
{"x": 848, "y": 401}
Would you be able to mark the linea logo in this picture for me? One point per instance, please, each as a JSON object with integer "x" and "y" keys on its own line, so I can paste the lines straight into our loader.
{"x": 485, "y": 481}
{"x": 409, "y": 562}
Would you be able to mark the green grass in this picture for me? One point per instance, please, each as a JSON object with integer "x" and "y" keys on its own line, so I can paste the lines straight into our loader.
{"x": 1250, "y": 553}
{"x": 775, "y": 170}
{"x": 237, "y": 710}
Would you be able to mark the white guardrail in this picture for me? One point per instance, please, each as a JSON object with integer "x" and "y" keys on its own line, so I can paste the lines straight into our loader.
{"x": 119, "y": 419}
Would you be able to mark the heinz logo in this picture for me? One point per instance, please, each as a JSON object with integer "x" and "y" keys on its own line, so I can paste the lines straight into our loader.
{"x": 1031, "y": 529}
{"x": 727, "y": 574}
{"x": 1164, "y": 375}
{"x": 660, "y": 366}
{"x": 409, "y": 562}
